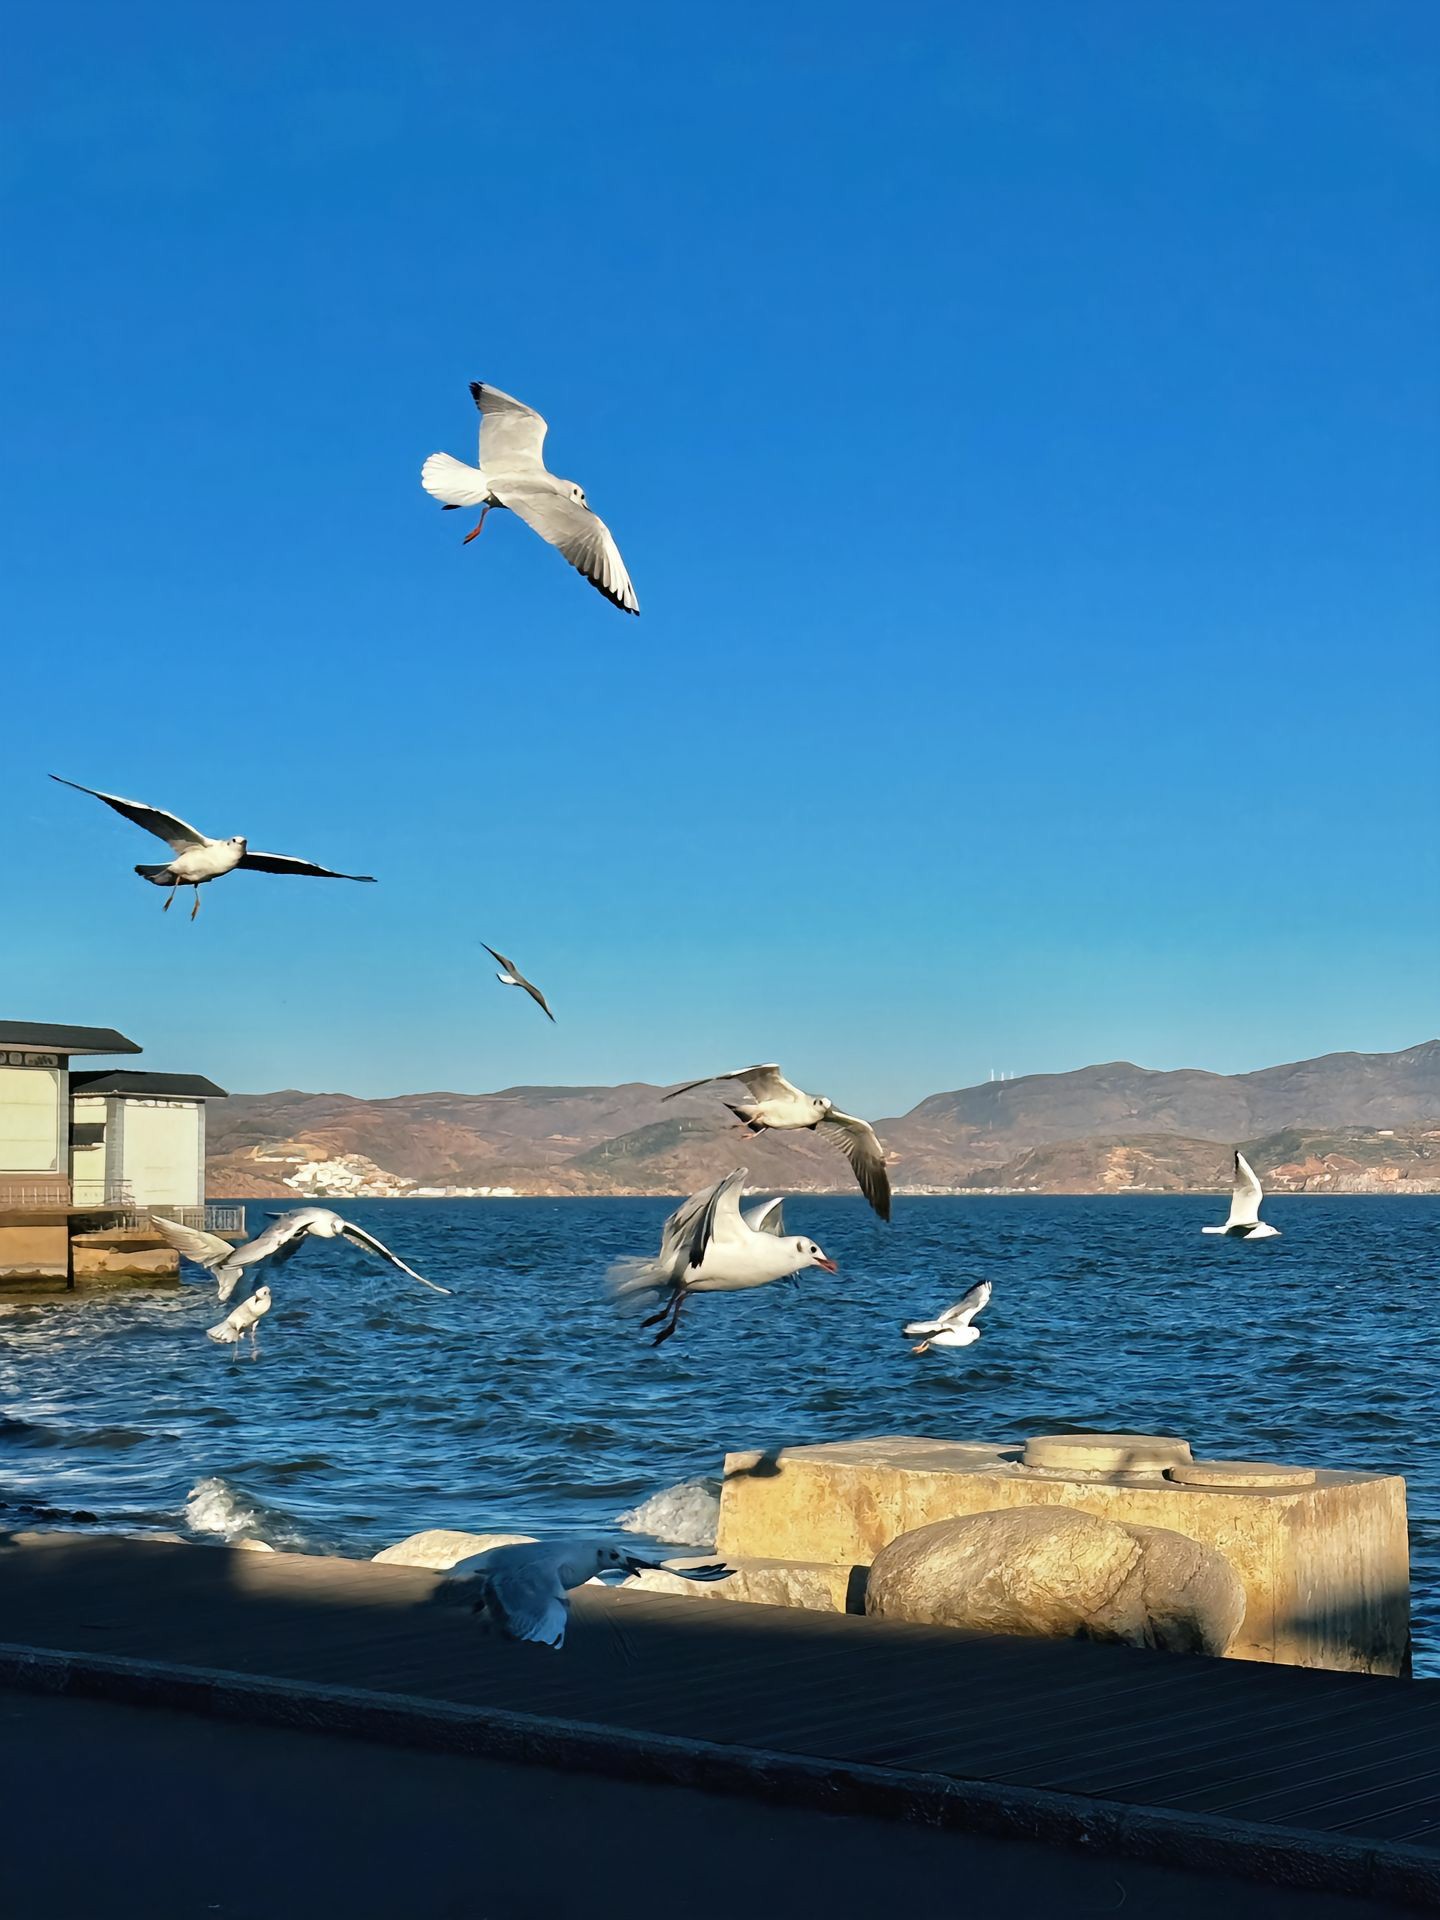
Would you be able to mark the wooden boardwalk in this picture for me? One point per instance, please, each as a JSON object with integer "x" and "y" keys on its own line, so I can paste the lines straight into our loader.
{"x": 1342, "y": 1755}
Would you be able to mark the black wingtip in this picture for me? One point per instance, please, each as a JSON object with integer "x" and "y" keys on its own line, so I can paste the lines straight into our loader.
{"x": 476, "y": 389}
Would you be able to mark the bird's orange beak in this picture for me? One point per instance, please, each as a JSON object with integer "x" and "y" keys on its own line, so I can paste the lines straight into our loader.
{"x": 828, "y": 1265}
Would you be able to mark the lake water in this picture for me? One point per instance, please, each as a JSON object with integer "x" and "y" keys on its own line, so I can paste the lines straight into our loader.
{"x": 528, "y": 1402}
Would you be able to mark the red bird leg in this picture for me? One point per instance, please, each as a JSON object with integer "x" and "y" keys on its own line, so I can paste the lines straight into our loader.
{"x": 476, "y": 528}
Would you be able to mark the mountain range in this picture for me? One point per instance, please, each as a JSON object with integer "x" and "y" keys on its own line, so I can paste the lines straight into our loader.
{"x": 1343, "y": 1122}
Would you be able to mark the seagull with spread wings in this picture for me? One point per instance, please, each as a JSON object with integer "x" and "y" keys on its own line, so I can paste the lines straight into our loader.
{"x": 524, "y": 1588}
{"x": 513, "y": 474}
{"x": 512, "y": 977}
{"x": 198, "y": 858}
{"x": 954, "y": 1327}
{"x": 709, "y": 1246}
{"x": 277, "y": 1244}
{"x": 1244, "y": 1222}
{"x": 779, "y": 1105}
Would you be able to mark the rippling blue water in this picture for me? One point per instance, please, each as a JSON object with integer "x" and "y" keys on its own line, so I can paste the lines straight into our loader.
{"x": 528, "y": 1402}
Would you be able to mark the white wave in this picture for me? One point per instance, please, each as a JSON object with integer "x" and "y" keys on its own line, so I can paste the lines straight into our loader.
{"x": 686, "y": 1515}
{"x": 214, "y": 1506}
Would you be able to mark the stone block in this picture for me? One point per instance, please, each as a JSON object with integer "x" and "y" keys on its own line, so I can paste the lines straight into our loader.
{"x": 1324, "y": 1563}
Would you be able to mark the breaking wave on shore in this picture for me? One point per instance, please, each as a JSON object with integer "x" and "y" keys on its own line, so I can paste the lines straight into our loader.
{"x": 685, "y": 1515}
{"x": 215, "y": 1506}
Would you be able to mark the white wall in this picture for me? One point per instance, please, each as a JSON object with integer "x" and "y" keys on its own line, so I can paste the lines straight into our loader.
{"x": 34, "y": 1121}
{"x": 161, "y": 1150}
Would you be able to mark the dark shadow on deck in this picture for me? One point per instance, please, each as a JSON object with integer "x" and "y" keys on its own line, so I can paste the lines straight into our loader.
{"x": 1334, "y": 1755}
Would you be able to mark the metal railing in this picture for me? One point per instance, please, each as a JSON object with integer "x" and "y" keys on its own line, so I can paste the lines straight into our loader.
{"x": 213, "y": 1217}
{"x": 103, "y": 1193}
{"x": 38, "y": 1195}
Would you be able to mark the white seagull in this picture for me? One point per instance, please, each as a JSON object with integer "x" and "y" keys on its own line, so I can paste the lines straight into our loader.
{"x": 779, "y": 1105}
{"x": 708, "y": 1246}
{"x": 512, "y": 474}
{"x": 198, "y": 858}
{"x": 245, "y": 1319}
{"x": 525, "y": 1588}
{"x": 512, "y": 977}
{"x": 953, "y": 1327}
{"x": 276, "y": 1244}
{"x": 1245, "y": 1197}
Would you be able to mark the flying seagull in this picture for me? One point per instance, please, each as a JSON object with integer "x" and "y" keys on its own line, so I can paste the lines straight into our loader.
{"x": 708, "y": 1246}
{"x": 512, "y": 977}
{"x": 198, "y": 858}
{"x": 953, "y": 1327}
{"x": 245, "y": 1319}
{"x": 1245, "y": 1197}
{"x": 525, "y": 1588}
{"x": 779, "y": 1105}
{"x": 512, "y": 474}
{"x": 276, "y": 1244}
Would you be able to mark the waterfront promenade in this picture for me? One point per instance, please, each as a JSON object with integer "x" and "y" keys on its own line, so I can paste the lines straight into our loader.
{"x": 1307, "y": 1778}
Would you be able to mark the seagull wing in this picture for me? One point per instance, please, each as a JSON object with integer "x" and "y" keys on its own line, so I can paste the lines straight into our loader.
{"x": 768, "y": 1218}
{"x": 766, "y": 1083}
{"x": 856, "y": 1140}
{"x": 964, "y": 1311}
{"x": 688, "y": 1232}
{"x": 582, "y": 536}
{"x": 287, "y": 863}
{"x": 205, "y": 1249}
{"x": 1245, "y": 1196}
{"x": 528, "y": 1602}
{"x": 511, "y": 434}
{"x": 281, "y": 1242}
{"x": 169, "y": 827}
{"x": 358, "y": 1237}
{"x": 508, "y": 965}
{"x": 535, "y": 994}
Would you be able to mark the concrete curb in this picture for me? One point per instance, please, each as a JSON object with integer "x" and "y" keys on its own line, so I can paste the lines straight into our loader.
{"x": 1285, "y": 1856}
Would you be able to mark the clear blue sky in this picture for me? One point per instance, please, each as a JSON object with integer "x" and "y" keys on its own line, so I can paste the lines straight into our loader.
{"x": 1021, "y": 426}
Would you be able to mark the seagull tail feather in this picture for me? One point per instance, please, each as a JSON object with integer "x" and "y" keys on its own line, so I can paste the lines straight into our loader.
{"x": 452, "y": 483}
{"x": 225, "y": 1334}
{"x": 160, "y": 876}
{"x": 629, "y": 1277}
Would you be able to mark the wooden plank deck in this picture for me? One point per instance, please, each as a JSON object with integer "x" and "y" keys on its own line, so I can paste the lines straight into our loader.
{"x": 1339, "y": 1754}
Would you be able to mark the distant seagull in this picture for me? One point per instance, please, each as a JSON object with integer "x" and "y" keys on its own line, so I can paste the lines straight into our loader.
{"x": 781, "y": 1106}
{"x": 525, "y": 1588}
{"x": 707, "y": 1246}
{"x": 245, "y": 1319}
{"x": 199, "y": 859}
{"x": 953, "y": 1327}
{"x": 512, "y": 977}
{"x": 512, "y": 474}
{"x": 276, "y": 1244}
{"x": 1245, "y": 1197}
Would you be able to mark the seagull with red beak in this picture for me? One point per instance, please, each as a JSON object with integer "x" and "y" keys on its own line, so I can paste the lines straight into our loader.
{"x": 708, "y": 1246}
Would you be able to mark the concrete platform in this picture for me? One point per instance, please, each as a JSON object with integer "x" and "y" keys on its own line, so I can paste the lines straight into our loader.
{"x": 1321, "y": 1779}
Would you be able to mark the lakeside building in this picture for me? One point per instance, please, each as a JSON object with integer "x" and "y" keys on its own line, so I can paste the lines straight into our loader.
{"x": 86, "y": 1156}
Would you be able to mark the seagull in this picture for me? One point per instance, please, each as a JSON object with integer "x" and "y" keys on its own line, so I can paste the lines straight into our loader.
{"x": 512, "y": 977}
{"x": 245, "y": 1319}
{"x": 525, "y": 1588}
{"x": 198, "y": 858}
{"x": 1245, "y": 1197}
{"x": 779, "y": 1105}
{"x": 276, "y": 1244}
{"x": 707, "y": 1246}
{"x": 512, "y": 474}
{"x": 953, "y": 1327}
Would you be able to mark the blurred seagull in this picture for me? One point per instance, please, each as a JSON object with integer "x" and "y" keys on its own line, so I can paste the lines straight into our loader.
{"x": 525, "y": 1588}
{"x": 512, "y": 474}
{"x": 276, "y": 1244}
{"x": 245, "y": 1319}
{"x": 512, "y": 977}
{"x": 707, "y": 1246}
{"x": 952, "y": 1328}
{"x": 199, "y": 859}
{"x": 1245, "y": 1197}
{"x": 779, "y": 1105}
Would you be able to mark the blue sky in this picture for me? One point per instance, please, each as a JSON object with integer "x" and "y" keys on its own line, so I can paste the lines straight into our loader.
{"x": 1020, "y": 424}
